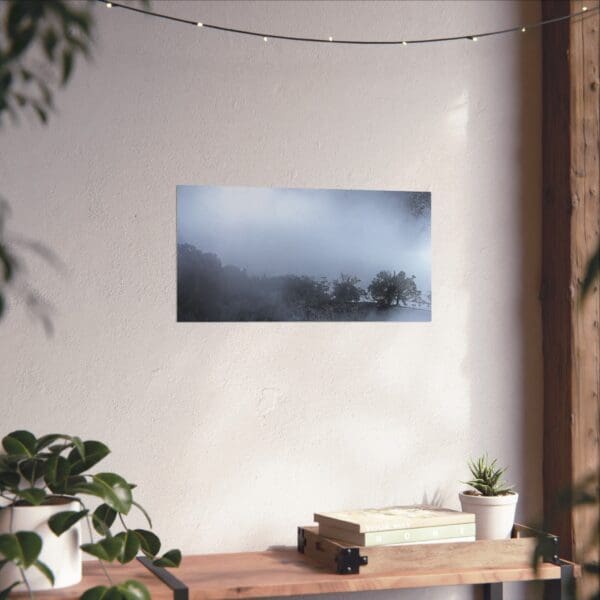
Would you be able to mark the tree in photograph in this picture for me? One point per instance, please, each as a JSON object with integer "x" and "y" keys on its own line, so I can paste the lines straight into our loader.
{"x": 383, "y": 288}
{"x": 305, "y": 291}
{"x": 406, "y": 289}
{"x": 389, "y": 289}
{"x": 346, "y": 290}
{"x": 199, "y": 284}
{"x": 419, "y": 204}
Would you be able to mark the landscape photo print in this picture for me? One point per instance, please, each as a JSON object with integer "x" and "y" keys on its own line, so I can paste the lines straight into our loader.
{"x": 263, "y": 254}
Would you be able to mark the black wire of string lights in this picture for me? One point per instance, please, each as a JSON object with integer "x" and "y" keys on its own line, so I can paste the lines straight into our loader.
{"x": 331, "y": 40}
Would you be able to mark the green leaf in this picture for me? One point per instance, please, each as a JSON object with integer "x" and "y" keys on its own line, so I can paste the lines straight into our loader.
{"x": 85, "y": 487}
{"x": 78, "y": 445}
{"x": 5, "y": 593}
{"x": 34, "y": 496}
{"x": 107, "y": 549}
{"x": 9, "y": 480}
{"x": 134, "y": 590}
{"x": 128, "y": 590}
{"x": 103, "y": 518}
{"x": 57, "y": 473}
{"x": 149, "y": 542}
{"x": 22, "y": 547}
{"x": 85, "y": 458}
{"x": 172, "y": 558}
{"x": 115, "y": 491}
{"x": 63, "y": 521}
{"x": 46, "y": 440}
{"x": 110, "y": 487}
{"x": 45, "y": 570}
{"x": 131, "y": 546}
{"x": 32, "y": 469}
{"x": 95, "y": 593}
{"x": 20, "y": 443}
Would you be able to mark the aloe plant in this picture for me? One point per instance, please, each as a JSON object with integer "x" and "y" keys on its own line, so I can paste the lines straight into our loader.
{"x": 34, "y": 470}
{"x": 487, "y": 477}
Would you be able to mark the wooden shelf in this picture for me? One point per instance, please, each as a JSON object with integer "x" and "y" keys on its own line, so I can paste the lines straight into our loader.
{"x": 285, "y": 572}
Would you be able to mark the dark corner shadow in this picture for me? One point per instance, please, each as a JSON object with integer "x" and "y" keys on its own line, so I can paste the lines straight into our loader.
{"x": 530, "y": 229}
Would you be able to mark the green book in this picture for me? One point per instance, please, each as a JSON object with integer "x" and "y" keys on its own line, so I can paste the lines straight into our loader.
{"x": 400, "y": 536}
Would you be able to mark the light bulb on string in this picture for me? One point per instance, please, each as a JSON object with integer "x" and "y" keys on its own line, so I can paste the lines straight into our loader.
{"x": 522, "y": 28}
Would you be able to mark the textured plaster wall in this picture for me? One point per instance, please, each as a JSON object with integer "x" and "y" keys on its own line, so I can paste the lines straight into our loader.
{"x": 235, "y": 433}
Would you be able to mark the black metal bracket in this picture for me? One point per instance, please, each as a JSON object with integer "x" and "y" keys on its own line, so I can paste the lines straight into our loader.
{"x": 180, "y": 590}
{"x": 349, "y": 561}
{"x": 548, "y": 543}
{"x": 301, "y": 540}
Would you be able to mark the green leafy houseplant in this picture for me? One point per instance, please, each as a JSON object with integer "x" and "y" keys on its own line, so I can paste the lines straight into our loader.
{"x": 41, "y": 471}
{"x": 487, "y": 478}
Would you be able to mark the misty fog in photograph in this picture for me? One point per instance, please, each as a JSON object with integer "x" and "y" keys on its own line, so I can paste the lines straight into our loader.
{"x": 262, "y": 254}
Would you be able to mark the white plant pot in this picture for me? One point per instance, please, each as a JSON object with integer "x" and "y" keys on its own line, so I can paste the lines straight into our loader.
{"x": 494, "y": 515}
{"x": 61, "y": 553}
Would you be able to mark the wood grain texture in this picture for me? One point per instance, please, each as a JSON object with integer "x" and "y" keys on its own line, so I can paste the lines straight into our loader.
{"x": 425, "y": 557}
{"x": 571, "y": 233}
{"x": 285, "y": 572}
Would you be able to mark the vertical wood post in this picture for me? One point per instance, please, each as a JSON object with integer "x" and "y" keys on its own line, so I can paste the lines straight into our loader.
{"x": 571, "y": 233}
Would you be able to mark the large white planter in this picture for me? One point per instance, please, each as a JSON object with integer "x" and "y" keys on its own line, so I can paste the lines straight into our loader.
{"x": 494, "y": 515}
{"x": 61, "y": 553}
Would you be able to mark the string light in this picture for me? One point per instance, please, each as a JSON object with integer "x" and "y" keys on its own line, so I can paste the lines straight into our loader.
{"x": 330, "y": 39}
{"x": 265, "y": 39}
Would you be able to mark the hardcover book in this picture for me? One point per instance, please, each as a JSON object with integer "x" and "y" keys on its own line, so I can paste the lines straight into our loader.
{"x": 400, "y": 536}
{"x": 393, "y": 517}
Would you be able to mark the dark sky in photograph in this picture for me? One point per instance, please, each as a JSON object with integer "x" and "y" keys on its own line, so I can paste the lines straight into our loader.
{"x": 320, "y": 233}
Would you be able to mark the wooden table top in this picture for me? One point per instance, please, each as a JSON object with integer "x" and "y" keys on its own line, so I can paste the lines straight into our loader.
{"x": 285, "y": 572}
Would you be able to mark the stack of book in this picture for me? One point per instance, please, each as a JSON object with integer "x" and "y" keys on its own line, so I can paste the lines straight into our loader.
{"x": 419, "y": 524}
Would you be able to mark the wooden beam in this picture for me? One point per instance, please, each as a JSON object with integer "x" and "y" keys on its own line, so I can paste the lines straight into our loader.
{"x": 571, "y": 234}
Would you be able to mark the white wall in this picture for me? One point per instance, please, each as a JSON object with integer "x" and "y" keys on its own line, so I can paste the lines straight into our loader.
{"x": 236, "y": 433}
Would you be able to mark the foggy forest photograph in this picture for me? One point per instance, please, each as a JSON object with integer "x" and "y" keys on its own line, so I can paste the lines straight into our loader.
{"x": 262, "y": 254}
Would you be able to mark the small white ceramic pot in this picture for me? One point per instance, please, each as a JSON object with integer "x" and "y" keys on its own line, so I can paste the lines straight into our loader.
{"x": 494, "y": 515}
{"x": 61, "y": 553}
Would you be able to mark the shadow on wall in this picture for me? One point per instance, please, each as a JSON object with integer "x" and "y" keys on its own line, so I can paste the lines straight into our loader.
{"x": 526, "y": 435}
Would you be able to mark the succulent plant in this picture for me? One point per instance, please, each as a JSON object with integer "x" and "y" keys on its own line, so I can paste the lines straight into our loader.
{"x": 487, "y": 477}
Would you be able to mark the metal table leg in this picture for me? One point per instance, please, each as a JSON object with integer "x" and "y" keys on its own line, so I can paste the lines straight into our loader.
{"x": 492, "y": 591}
